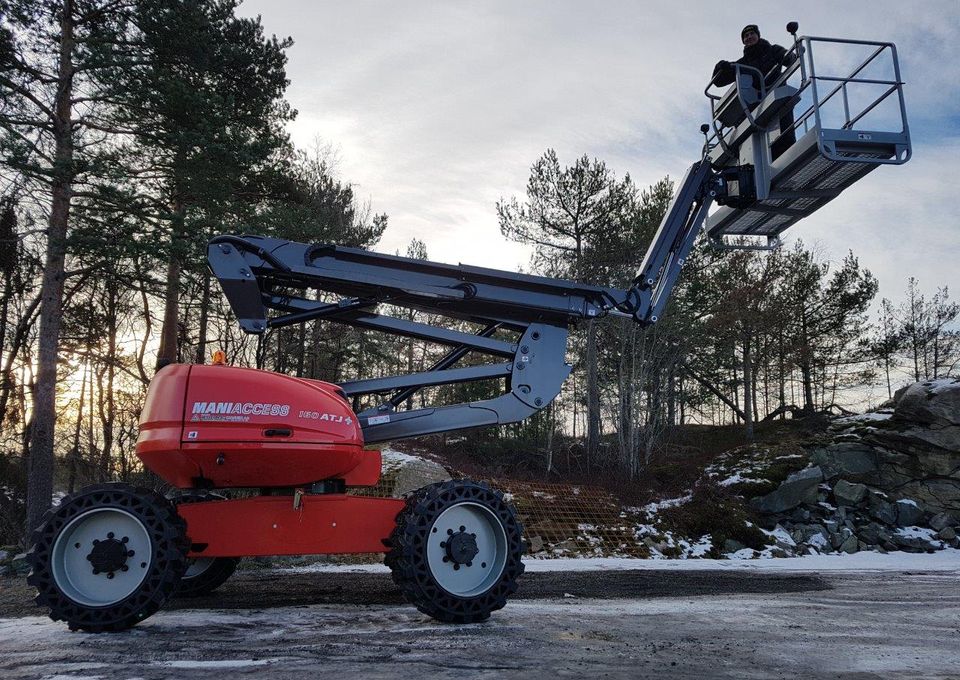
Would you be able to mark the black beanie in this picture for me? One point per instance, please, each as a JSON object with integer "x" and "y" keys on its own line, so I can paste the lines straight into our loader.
{"x": 747, "y": 29}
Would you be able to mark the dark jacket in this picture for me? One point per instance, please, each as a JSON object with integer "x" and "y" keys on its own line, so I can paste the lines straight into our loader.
{"x": 763, "y": 56}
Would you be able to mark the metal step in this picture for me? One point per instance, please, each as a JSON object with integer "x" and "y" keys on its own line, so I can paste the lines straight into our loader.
{"x": 803, "y": 180}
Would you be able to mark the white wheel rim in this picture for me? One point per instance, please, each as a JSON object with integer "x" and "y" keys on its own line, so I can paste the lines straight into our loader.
{"x": 72, "y": 570}
{"x": 485, "y": 568}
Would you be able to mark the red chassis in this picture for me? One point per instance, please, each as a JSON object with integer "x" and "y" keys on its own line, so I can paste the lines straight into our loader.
{"x": 271, "y": 525}
{"x": 212, "y": 427}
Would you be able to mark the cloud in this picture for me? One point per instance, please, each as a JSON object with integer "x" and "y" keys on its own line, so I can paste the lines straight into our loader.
{"x": 439, "y": 109}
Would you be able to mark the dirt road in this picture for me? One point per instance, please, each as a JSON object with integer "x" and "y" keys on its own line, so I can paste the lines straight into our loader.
{"x": 620, "y": 624}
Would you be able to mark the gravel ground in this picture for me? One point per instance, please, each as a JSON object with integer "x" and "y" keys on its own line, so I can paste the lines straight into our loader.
{"x": 692, "y": 624}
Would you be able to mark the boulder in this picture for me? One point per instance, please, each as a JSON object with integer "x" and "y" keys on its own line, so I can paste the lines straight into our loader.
{"x": 947, "y": 534}
{"x": 535, "y": 544}
{"x": 943, "y": 437}
{"x": 849, "y": 459}
{"x": 800, "y": 487}
{"x": 732, "y": 546}
{"x": 942, "y": 520}
{"x": 909, "y": 513}
{"x": 850, "y": 545}
{"x": 19, "y": 565}
{"x": 914, "y": 544}
{"x": 403, "y": 473}
{"x": 882, "y": 511}
{"x": 899, "y": 394}
{"x": 848, "y": 493}
{"x": 871, "y": 534}
{"x": 935, "y": 402}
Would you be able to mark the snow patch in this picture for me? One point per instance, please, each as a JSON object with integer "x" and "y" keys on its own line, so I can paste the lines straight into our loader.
{"x": 654, "y": 508}
{"x": 943, "y": 560}
{"x": 865, "y": 417}
{"x": 220, "y": 663}
{"x": 389, "y": 456}
{"x": 941, "y": 385}
{"x": 918, "y": 532}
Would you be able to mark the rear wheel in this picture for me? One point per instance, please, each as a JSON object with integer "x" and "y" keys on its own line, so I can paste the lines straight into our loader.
{"x": 455, "y": 552}
{"x": 204, "y": 574}
{"x": 107, "y": 557}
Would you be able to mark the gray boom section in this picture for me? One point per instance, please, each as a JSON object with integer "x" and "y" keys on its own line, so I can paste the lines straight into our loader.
{"x": 261, "y": 275}
{"x": 534, "y": 380}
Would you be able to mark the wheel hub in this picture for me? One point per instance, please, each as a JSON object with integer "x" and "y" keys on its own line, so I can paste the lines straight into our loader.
{"x": 109, "y": 555}
{"x": 462, "y": 547}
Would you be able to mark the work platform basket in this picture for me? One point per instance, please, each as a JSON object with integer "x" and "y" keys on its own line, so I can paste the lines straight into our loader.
{"x": 843, "y": 101}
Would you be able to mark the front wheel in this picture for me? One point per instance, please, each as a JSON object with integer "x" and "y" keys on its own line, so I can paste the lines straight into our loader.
{"x": 107, "y": 557}
{"x": 456, "y": 549}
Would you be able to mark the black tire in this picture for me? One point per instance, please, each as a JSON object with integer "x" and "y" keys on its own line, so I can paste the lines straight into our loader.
{"x": 414, "y": 558}
{"x": 204, "y": 574}
{"x": 156, "y": 526}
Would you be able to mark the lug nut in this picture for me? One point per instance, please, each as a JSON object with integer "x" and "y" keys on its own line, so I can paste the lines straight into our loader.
{"x": 130, "y": 553}
{"x": 125, "y": 539}
{"x": 110, "y": 534}
{"x": 110, "y": 575}
{"x": 124, "y": 568}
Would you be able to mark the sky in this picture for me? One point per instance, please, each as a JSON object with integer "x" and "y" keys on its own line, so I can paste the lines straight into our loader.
{"x": 437, "y": 110}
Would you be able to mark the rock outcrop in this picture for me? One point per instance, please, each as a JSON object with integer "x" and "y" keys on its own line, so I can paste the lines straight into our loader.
{"x": 882, "y": 481}
{"x": 914, "y": 453}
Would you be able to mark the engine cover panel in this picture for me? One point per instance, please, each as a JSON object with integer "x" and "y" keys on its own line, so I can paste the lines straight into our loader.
{"x": 225, "y": 426}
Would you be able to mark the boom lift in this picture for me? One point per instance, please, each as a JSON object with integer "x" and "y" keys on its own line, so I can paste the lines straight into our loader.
{"x": 110, "y": 555}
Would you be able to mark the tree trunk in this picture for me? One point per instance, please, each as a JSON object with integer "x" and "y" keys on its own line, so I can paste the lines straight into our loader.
{"x": 169, "y": 334}
{"x": 43, "y": 419}
{"x": 301, "y": 347}
{"x": 671, "y": 395}
{"x": 593, "y": 396}
{"x": 717, "y": 393}
{"x": 747, "y": 386}
{"x": 75, "y": 449}
{"x": 201, "y": 356}
{"x": 806, "y": 370}
{"x": 5, "y": 381}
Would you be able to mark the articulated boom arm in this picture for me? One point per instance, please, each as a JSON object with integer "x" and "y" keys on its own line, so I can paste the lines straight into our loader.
{"x": 259, "y": 274}
{"x": 524, "y": 319}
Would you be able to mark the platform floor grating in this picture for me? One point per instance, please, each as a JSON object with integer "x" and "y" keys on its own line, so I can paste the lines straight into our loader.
{"x": 807, "y": 171}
